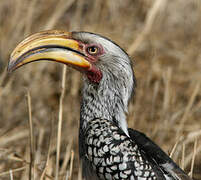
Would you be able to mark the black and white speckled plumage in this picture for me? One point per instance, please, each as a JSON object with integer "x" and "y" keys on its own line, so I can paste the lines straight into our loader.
{"x": 112, "y": 154}
{"x": 109, "y": 150}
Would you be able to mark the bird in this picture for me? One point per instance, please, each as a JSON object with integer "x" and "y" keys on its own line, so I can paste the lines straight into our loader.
{"x": 108, "y": 149}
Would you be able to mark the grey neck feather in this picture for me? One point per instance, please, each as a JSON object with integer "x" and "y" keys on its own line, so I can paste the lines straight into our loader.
{"x": 108, "y": 99}
{"x": 105, "y": 101}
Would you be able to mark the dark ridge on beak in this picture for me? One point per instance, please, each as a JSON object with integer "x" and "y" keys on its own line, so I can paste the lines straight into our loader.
{"x": 39, "y": 49}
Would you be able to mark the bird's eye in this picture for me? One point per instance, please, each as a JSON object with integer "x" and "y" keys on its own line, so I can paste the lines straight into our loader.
{"x": 93, "y": 50}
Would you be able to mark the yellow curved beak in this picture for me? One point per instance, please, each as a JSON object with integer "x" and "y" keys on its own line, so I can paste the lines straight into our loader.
{"x": 50, "y": 45}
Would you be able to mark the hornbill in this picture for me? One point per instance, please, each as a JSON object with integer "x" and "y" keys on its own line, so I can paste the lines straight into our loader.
{"x": 107, "y": 148}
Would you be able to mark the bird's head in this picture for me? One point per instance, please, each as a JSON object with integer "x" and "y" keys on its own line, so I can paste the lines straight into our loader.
{"x": 107, "y": 68}
{"x": 97, "y": 57}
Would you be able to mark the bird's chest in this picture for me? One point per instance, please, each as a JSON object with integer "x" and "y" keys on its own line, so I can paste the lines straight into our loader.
{"x": 111, "y": 154}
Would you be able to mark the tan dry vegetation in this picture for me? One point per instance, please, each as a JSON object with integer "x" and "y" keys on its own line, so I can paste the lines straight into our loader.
{"x": 164, "y": 40}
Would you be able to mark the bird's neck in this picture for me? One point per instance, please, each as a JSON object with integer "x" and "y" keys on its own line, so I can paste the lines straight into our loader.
{"x": 103, "y": 101}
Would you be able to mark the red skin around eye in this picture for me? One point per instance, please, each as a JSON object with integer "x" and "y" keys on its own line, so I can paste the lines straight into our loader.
{"x": 94, "y": 57}
{"x": 93, "y": 74}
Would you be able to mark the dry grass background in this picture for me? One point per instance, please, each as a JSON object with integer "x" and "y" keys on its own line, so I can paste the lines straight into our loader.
{"x": 164, "y": 40}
